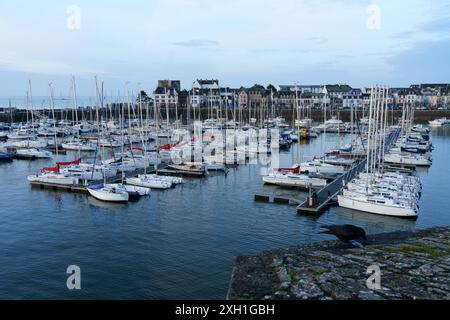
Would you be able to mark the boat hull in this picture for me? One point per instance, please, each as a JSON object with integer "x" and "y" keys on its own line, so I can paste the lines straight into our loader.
{"x": 384, "y": 210}
{"x": 109, "y": 197}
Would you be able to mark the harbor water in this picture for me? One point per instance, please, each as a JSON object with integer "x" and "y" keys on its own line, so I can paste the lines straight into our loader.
{"x": 175, "y": 244}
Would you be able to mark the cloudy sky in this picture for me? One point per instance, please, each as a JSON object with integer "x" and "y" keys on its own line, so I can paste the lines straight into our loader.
{"x": 240, "y": 42}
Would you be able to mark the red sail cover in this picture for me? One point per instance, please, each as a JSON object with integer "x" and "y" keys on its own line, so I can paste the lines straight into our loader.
{"x": 65, "y": 164}
{"x": 51, "y": 169}
{"x": 136, "y": 149}
{"x": 295, "y": 169}
{"x": 169, "y": 146}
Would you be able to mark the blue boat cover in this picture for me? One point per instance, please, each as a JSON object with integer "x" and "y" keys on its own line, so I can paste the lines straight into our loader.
{"x": 96, "y": 187}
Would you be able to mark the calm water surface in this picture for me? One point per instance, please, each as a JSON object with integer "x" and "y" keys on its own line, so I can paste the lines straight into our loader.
{"x": 176, "y": 244}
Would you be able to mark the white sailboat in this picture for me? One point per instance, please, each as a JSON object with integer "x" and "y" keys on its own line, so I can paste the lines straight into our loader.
{"x": 108, "y": 193}
{"x": 33, "y": 153}
{"x": 389, "y": 194}
{"x": 149, "y": 182}
{"x": 407, "y": 159}
{"x": 79, "y": 146}
{"x": 316, "y": 166}
{"x": 53, "y": 178}
{"x": 294, "y": 180}
{"x": 378, "y": 205}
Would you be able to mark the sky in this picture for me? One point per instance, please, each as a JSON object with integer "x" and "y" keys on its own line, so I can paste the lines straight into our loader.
{"x": 131, "y": 44}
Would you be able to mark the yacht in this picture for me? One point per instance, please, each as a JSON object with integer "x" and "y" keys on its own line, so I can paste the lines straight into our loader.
{"x": 147, "y": 181}
{"x": 113, "y": 193}
{"x": 32, "y": 153}
{"x": 294, "y": 180}
{"x": 316, "y": 166}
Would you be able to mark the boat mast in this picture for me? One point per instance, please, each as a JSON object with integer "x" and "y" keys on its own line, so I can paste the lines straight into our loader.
{"x": 53, "y": 115}
{"x": 31, "y": 103}
{"x": 75, "y": 104}
{"x": 167, "y": 107}
{"x": 369, "y": 137}
{"x": 122, "y": 118}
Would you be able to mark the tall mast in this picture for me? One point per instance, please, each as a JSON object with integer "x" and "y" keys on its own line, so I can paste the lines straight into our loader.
{"x": 167, "y": 108}
{"x": 31, "y": 103}
{"x": 75, "y": 108}
{"x": 53, "y": 115}
{"x": 369, "y": 136}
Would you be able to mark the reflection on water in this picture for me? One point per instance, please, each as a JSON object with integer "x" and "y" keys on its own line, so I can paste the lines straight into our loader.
{"x": 110, "y": 207}
{"x": 179, "y": 243}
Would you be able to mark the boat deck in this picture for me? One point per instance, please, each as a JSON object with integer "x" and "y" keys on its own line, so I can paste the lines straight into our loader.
{"x": 327, "y": 196}
{"x": 82, "y": 188}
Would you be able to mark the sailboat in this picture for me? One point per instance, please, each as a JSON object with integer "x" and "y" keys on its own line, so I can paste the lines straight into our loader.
{"x": 387, "y": 194}
{"x": 33, "y": 153}
{"x": 28, "y": 152}
{"x": 107, "y": 192}
{"x": 53, "y": 176}
{"x": 79, "y": 146}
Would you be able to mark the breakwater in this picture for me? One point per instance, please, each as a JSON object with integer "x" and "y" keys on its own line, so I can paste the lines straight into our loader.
{"x": 412, "y": 265}
{"x": 20, "y": 115}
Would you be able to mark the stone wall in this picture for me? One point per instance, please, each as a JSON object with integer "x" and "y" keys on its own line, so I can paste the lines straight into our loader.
{"x": 414, "y": 265}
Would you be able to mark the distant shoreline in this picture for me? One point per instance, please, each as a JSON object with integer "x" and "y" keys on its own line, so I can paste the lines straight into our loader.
{"x": 421, "y": 116}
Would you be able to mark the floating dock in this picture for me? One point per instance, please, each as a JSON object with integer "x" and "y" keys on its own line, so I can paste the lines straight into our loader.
{"x": 82, "y": 188}
{"x": 278, "y": 199}
{"x": 327, "y": 196}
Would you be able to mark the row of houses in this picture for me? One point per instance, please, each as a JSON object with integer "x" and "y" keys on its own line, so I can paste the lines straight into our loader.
{"x": 209, "y": 93}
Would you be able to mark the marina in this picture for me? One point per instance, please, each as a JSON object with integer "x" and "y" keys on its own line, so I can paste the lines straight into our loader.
{"x": 216, "y": 213}
{"x": 225, "y": 159}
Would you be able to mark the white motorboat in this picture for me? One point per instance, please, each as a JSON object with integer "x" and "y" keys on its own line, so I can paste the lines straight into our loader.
{"x": 32, "y": 153}
{"x": 22, "y": 134}
{"x": 439, "y": 122}
{"x": 408, "y": 159}
{"x": 148, "y": 182}
{"x": 195, "y": 168}
{"x": 338, "y": 161}
{"x": 109, "y": 193}
{"x": 87, "y": 172}
{"x": 53, "y": 178}
{"x": 169, "y": 179}
{"x": 132, "y": 190}
{"x": 24, "y": 144}
{"x": 79, "y": 146}
{"x": 318, "y": 167}
{"x": 294, "y": 180}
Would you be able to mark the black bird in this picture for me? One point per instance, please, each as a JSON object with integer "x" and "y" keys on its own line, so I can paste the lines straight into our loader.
{"x": 346, "y": 233}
